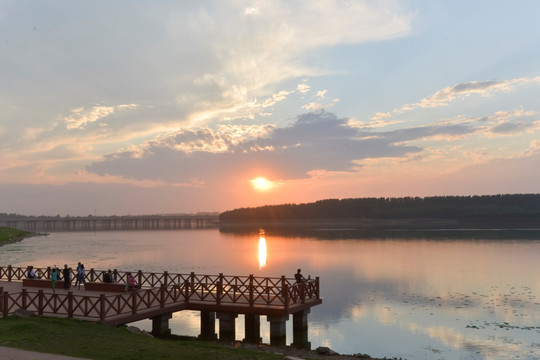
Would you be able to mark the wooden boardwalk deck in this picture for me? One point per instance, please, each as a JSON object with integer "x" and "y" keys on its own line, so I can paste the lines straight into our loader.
{"x": 160, "y": 294}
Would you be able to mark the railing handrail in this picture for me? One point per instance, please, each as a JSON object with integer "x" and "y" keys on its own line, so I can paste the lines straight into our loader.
{"x": 151, "y": 279}
{"x": 101, "y": 306}
{"x": 221, "y": 289}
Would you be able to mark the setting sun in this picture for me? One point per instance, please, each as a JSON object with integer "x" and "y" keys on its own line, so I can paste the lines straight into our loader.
{"x": 261, "y": 184}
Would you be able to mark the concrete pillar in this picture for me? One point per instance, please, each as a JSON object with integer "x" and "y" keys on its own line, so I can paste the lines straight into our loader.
{"x": 227, "y": 326}
{"x": 160, "y": 325}
{"x": 208, "y": 326}
{"x": 252, "y": 328}
{"x": 278, "y": 331}
{"x": 300, "y": 330}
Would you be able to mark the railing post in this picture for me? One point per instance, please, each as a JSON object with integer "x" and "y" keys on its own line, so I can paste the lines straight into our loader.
{"x": 133, "y": 303}
{"x": 317, "y": 289}
{"x": 24, "y": 296}
{"x": 92, "y": 275}
{"x": 10, "y": 272}
{"x": 5, "y": 303}
{"x": 115, "y": 274}
{"x": 162, "y": 291}
{"x": 219, "y": 290}
{"x": 186, "y": 291}
{"x": 70, "y": 304}
{"x": 40, "y": 302}
{"x": 286, "y": 296}
{"x": 139, "y": 278}
{"x": 302, "y": 291}
{"x": 102, "y": 307}
{"x": 1, "y": 299}
{"x": 165, "y": 278}
{"x": 283, "y": 283}
{"x": 192, "y": 280}
{"x": 251, "y": 290}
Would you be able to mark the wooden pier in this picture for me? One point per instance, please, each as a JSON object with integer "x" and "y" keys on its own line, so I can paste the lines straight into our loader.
{"x": 215, "y": 296}
{"x": 97, "y": 223}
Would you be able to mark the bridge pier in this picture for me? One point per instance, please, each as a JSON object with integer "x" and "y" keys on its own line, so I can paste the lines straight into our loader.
{"x": 252, "y": 328}
{"x": 300, "y": 330}
{"x": 227, "y": 326}
{"x": 160, "y": 325}
{"x": 278, "y": 330}
{"x": 208, "y": 325}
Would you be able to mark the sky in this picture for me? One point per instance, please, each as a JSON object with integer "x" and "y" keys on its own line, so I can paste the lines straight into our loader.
{"x": 159, "y": 107}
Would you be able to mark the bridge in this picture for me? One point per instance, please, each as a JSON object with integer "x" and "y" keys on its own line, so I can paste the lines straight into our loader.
{"x": 95, "y": 223}
{"x": 161, "y": 294}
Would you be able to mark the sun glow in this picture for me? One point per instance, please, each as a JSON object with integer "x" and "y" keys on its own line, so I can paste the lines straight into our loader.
{"x": 262, "y": 249}
{"x": 261, "y": 184}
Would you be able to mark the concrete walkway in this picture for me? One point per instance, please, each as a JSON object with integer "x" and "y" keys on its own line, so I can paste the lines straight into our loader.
{"x": 17, "y": 354}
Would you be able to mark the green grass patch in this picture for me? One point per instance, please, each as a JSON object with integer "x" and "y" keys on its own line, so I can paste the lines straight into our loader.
{"x": 8, "y": 234}
{"x": 97, "y": 341}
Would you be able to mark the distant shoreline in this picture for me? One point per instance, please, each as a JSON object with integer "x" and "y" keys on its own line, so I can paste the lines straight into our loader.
{"x": 386, "y": 224}
{"x": 10, "y": 236}
{"x": 389, "y": 228}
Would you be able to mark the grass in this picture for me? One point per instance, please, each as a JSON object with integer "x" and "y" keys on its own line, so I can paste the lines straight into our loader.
{"x": 8, "y": 234}
{"x": 97, "y": 341}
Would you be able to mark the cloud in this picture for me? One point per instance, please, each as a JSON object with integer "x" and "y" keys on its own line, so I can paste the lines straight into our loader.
{"x": 251, "y": 11}
{"x": 80, "y": 118}
{"x": 463, "y": 90}
{"x": 316, "y": 141}
{"x": 280, "y": 96}
{"x": 312, "y": 106}
{"x": 321, "y": 94}
{"x": 303, "y": 88}
{"x": 505, "y": 123}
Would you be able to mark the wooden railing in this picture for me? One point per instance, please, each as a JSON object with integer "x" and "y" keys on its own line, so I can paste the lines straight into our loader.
{"x": 98, "y": 307}
{"x": 160, "y": 290}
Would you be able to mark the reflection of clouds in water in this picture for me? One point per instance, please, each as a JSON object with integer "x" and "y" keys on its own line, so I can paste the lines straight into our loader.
{"x": 462, "y": 308}
{"x": 421, "y": 294}
{"x": 357, "y": 311}
{"x": 183, "y": 323}
{"x": 493, "y": 347}
{"x": 385, "y": 315}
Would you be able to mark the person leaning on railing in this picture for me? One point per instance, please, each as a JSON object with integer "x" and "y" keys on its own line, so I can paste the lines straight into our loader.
{"x": 31, "y": 272}
{"x": 299, "y": 277}
{"x": 108, "y": 277}
{"x": 131, "y": 283}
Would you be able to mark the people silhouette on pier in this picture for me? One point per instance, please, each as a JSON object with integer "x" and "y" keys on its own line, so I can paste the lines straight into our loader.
{"x": 108, "y": 277}
{"x": 299, "y": 277}
{"x": 131, "y": 283}
{"x": 54, "y": 278}
{"x": 66, "y": 272}
{"x": 31, "y": 272}
{"x": 80, "y": 276}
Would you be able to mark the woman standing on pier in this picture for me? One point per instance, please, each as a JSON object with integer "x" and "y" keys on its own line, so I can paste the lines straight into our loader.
{"x": 67, "y": 277}
{"x": 54, "y": 278}
{"x": 81, "y": 276}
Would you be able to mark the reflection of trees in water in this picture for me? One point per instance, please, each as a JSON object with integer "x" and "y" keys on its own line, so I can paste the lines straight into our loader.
{"x": 349, "y": 231}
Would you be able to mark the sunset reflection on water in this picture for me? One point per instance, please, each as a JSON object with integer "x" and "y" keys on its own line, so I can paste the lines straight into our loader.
{"x": 262, "y": 249}
{"x": 450, "y": 299}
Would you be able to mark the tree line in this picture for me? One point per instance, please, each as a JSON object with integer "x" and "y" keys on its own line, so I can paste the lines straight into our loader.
{"x": 506, "y": 206}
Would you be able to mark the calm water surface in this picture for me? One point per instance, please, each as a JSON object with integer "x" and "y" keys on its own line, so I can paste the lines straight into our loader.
{"x": 409, "y": 298}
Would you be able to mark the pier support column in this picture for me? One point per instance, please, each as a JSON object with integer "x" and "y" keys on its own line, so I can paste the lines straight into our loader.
{"x": 300, "y": 330}
{"x": 208, "y": 326}
{"x": 252, "y": 328}
{"x": 227, "y": 326}
{"x": 278, "y": 331}
{"x": 160, "y": 325}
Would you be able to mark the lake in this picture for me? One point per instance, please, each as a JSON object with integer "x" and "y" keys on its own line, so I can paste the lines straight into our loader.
{"x": 412, "y": 297}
